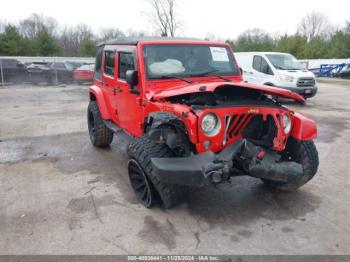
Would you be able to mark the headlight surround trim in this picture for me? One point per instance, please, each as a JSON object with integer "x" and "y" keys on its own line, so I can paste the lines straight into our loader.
{"x": 215, "y": 127}
{"x": 287, "y": 123}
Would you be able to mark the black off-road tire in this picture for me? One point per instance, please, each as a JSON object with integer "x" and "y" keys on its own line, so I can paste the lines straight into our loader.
{"x": 304, "y": 153}
{"x": 141, "y": 151}
{"x": 100, "y": 135}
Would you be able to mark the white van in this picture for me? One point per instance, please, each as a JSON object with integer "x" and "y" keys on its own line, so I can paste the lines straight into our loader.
{"x": 277, "y": 69}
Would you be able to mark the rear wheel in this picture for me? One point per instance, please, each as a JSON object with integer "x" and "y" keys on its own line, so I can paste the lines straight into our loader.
{"x": 100, "y": 135}
{"x": 144, "y": 181}
{"x": 304, "y": 153}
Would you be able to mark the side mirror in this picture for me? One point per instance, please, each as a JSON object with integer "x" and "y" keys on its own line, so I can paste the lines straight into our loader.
{"x": 132, "y": 80}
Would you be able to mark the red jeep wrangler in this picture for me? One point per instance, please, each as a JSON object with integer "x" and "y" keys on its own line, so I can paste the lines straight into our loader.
{"x": 192, "y": 121}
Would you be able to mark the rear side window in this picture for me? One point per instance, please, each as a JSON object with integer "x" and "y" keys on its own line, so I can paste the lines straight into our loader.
{"x": 126, "y": 62}
{"x": 98, "y": 64}
{"x": 257, "y": 62}
{"x": 109, "y": 63}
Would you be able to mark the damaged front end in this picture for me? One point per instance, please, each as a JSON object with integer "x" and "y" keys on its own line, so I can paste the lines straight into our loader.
{"x": 248, "y": 136}
{"x": 239, "y": 158}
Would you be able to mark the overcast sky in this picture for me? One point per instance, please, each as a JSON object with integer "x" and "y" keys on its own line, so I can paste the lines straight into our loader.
{"x": 223, "y": 18}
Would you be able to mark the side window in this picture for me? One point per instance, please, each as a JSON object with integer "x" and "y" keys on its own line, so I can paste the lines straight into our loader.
{"x": 109, "y": 63}
{"x": 98, "y": 64}
{"x": 126, "y": 62}
{"x": 265, "y": 68}
{"x": 257, "y": 63}
{"x": 260, "y": 65}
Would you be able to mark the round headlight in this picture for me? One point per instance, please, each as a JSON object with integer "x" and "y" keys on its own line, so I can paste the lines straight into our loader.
{"x": 211, "y": 124}
{"x": 287, "y": 124}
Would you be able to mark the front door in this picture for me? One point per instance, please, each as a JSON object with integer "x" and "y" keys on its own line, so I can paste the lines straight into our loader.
{"x": 261, "y": 72}
{"x": 128, "y": 104}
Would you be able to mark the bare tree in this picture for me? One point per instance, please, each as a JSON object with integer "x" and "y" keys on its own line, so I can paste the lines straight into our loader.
{"x": 347, "y": 27}
{"x": 2, "y": 27}
{"x": 72, "y": 37}
{"x": 314, "y": 24}
{"x": 163, "y": 17}
{"x": 35, "y": 23}
{"x": 133, "y": 33}
{"x": 110, "y": 33}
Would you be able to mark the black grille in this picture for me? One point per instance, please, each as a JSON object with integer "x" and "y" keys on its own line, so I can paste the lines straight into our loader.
{"x": 237, "y": 123}
{"x": 306, "y": 81}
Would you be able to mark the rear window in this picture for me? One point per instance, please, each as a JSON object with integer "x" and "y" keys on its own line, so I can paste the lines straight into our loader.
{"x": 109, "y": 63}
{"x": 98, "y": 64}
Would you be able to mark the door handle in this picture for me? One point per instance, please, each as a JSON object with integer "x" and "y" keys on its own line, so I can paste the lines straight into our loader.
{"x": 117, "y": 90}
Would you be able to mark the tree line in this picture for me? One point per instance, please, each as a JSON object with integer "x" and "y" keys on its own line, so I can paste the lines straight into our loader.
{"x": 315, "y": 38}
{"x": 41, "y": 36}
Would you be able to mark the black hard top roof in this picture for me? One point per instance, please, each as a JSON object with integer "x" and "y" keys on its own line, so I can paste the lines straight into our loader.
{"x": 136, "y": 40}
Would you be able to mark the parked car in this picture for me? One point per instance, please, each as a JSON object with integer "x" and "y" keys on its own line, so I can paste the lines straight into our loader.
{"x": 75, "y": 64}
{"x": 61, "y": 72}
{"x": 192, "y": 121}
{"x": 277, "y": 69}
{"x": 12, "y": 70}
{"x": 39, "y": 72}
{"x": 345, "y": 73}
{"x": 84, "y": 73}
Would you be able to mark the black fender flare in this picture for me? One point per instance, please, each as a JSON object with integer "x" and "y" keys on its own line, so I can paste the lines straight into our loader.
{"x": 168, "y": 128}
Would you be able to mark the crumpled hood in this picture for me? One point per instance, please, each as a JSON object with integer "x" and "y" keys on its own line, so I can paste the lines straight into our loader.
{"x": 212, "y": 86}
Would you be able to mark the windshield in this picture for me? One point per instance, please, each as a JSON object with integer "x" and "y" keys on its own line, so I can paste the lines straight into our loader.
{"x": 165, "y": 61}
{"x": 284, "y": 62}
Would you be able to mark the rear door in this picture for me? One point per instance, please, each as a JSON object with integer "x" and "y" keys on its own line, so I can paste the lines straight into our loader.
{"x": 128, "y": 104}
{"x": 109, "y": 80}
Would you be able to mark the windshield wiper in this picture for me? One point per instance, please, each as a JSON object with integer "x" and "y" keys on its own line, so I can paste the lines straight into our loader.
{"x": 171, "y": 76}
{"x": 280, "y": 67}
{"x": 207, "y": 73}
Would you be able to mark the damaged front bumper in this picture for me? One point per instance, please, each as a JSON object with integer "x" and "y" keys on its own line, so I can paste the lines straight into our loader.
{"x": 241, "y": 157}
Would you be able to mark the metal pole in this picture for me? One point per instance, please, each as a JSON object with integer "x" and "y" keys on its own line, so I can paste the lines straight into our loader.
{"x": 2, "y": 73}
{"x": 55, "y": 71}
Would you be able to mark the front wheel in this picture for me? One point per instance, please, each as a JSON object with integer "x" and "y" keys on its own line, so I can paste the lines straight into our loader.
{"x": 144, "y": 181}
{"x": 304, "y": 153}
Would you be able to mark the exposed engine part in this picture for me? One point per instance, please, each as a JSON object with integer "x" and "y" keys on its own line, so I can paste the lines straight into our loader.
{"x": 260, "y": 132}
{"x": 224, "y": 96}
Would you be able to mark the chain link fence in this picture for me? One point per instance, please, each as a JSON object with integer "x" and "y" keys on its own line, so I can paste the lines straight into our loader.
{"x": 45, "y": 70}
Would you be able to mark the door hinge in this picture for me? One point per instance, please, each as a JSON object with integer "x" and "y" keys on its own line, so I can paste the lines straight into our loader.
{"x": 142, "y": 102}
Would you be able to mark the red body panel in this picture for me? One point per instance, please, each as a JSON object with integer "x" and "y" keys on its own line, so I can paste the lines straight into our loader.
{"x": 130, "y": 111}
{"x": 303, "y": 128}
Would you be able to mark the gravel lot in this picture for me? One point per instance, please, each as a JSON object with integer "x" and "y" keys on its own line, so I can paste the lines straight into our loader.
{"x": 59, "y": 195}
